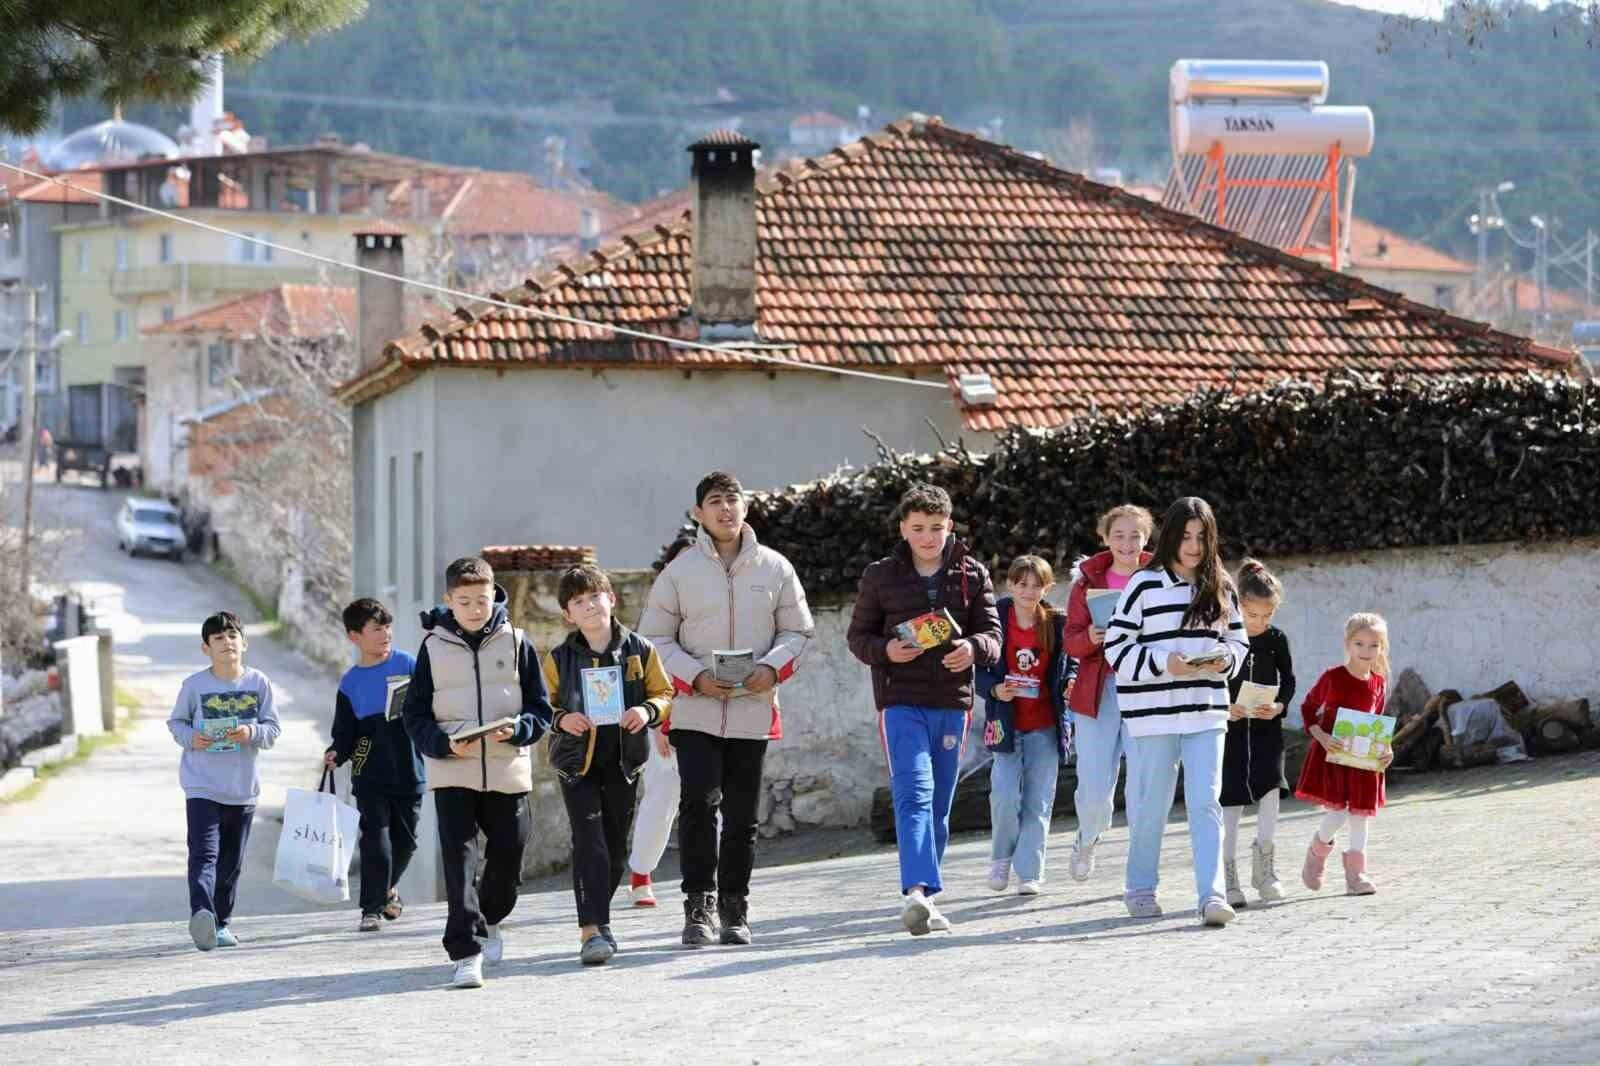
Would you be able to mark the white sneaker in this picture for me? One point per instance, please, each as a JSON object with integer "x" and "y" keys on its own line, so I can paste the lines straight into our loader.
{"x": 1082, "y": 861}
{"x": 1031, "y": 887}
{"x": 1216, "y": 913}
{"x": 469, "y": 972}
{"x": 494, "y": 946}
{"x": 1142, "y": 905}
{"x": 915, "y": 913}
{"x": 937, "y": 922}
{"x": 999, "y": 875}
{"x": 203, "y": 930}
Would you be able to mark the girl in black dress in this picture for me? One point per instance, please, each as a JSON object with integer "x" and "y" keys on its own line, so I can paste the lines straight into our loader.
{"x": 1252, "y": 758}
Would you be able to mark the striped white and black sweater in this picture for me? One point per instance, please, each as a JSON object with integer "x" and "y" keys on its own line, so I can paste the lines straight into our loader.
{"x": 1144, "y": 631}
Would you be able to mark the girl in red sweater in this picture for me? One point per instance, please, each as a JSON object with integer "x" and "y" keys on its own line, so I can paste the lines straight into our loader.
{"x": 1348, "y": 794}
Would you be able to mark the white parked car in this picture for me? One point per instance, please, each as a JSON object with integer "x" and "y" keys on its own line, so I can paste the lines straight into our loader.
{"x": 150, "y": 526}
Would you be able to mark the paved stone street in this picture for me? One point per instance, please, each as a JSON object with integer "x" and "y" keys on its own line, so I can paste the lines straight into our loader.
{"x": 1482, "y": 946}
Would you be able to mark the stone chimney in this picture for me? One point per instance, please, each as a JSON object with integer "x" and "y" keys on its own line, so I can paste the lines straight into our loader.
{"x": 724, "y": 228}
{"x": 380, "y": 302}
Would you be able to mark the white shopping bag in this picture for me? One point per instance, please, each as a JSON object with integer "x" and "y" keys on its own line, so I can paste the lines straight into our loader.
{"x": 319, "y": 837}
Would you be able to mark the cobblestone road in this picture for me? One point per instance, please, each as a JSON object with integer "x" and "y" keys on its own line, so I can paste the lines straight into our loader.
{"x": 1482, "y": 946}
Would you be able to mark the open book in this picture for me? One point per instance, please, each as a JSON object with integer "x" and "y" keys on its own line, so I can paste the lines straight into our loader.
{"x": 1254, "y": 697}
{"x": 1218, "y": 654}
{"x": 1102, "y": 605}
{"x": 475, "y": 731}
{"x": 733, "y": 667}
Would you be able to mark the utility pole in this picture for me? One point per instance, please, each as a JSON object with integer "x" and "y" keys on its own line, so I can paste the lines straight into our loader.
{"x": 30, "y": 429}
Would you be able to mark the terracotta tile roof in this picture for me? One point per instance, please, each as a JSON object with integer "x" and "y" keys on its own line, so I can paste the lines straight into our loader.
{"x": 923, "y": 247}
{"x": 490, "y": 202}
{"x": 71, "y": 189}
{"x": 819, "y": 119}
{"x": 294, "y": 310}
{"x": 536, "y": 556}
{"x": 724, "y": 139}
{"x": 1374, "y": 248}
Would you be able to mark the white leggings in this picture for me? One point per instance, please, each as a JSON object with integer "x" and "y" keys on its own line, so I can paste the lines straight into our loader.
{"x": 1266, "y": 823}
{"x": 1334, "y": 820}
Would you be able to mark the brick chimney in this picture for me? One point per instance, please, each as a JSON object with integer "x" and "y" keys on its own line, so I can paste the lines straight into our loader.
{"x": 380, "y": 302}
{"x": 724, "y": 171}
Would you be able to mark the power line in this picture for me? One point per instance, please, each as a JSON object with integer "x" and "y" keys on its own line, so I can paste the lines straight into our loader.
{"x": 444, "y": 290}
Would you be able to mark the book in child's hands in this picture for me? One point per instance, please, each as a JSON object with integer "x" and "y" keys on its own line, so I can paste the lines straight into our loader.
{"x": 217, "y": 728}
{"x": 733, "y": 667}
{"x": 1361, "y": 739}
{"x": 1102, "y": 605}
{"x": 1218, "y": 654}
{"x": 602, "y": 695}
{"x": 931, "y": 630}
{"x": 1027, "y": 685}
{"x": 398, "y": 686}
{"x": 1254, "y": 696}
{"x": 476, "y": 731}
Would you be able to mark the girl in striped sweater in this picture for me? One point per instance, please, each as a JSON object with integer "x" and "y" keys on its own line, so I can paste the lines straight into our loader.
{"x": 1174, "y": 641}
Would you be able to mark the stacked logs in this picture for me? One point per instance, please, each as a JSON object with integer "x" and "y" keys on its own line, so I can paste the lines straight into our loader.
{"x": 1358, "y": 463}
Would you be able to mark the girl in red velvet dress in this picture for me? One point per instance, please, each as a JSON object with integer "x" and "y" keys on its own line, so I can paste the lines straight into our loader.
{"x": 1348, "y": 794}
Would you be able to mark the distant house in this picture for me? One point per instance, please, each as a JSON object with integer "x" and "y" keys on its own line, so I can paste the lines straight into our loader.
{"x": 919, "y": 252}
{"x": 208, "y": 360}
{"x": 1408, "y": 267}
{"x": 820, "y": 131}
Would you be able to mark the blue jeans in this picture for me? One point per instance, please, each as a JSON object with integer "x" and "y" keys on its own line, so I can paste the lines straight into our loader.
{"x": 1152, "y": 783}
{"x": 1098, "y": 743}
{"x": 924, "y": 750}
{"x": 1022, "y": 793}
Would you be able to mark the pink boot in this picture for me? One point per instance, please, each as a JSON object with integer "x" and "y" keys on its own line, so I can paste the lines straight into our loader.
{"x": 1316, "y": 859}
{"x": 1356, "y": 881}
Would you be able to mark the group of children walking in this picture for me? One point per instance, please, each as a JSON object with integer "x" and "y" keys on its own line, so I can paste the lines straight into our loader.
{"x": 690, "y": 703}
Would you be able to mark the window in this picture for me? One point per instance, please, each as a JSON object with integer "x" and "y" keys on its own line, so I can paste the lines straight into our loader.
{"x": 83, "y": 256}
{"x": 219, "y": 364}
{"x": 167, "y": 314}
{"x": 244, "y": 249}
{"x": 166, "y": 247}
{"x": 120, "y": 324}
{"x": 416, "y": 526}
{"x": 264, "y": 252}
{"x": 393, "y": 561}
{"x": 45, "y": 382}
{"x": 83, "y": 325}
{"x": 122, "y": 253}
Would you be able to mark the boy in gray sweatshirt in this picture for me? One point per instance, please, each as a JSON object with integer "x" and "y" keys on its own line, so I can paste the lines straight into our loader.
{"x": 223, "y": 716}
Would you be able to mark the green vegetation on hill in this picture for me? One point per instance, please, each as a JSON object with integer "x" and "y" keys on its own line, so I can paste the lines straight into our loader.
{"x": 626, "y": 81}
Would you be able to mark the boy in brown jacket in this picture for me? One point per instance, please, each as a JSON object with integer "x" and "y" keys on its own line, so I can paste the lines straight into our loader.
{"x": 473, "y": 669}
{"x": 924, "y": 695}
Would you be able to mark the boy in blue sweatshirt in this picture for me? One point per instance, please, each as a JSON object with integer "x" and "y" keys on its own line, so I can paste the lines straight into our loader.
{"x": 222, "y": 717}
{"x": 386, "y": 772}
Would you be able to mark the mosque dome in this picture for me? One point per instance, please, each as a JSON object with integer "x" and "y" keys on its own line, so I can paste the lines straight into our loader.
{"x": 115, "y": 140}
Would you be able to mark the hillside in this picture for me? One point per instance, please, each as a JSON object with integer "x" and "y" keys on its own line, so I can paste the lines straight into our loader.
{"x": 624, "y": 82}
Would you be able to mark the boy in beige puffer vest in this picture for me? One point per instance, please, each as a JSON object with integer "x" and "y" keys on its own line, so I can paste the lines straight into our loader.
{"x": 474, "y": 669}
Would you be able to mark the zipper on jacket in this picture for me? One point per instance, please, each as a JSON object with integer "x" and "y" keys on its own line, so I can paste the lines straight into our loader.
{"x": 731, "y": 644}
{"x": 483, "y": 744}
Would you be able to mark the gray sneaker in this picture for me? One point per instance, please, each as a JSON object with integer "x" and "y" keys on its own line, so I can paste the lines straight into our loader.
{"x": 1142, "y": 905}
{"x": 203, "y": 930}
{"x": 1082, "y": 862}
{"x": 1230, "y": 875}
{"x": 597, "y": 951}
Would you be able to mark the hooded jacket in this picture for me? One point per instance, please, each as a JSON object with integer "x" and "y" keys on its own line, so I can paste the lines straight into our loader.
{"x": 644, "y": 684}
{"x": 891, "y": 592}
{"x": 467, "y": 679}
{"x": 999, "y": 729}
{"x": 1094, "y": 673}
{"x": 698, "y": 606}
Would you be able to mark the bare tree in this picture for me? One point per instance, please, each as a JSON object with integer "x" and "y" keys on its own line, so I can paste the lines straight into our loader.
{"x": 1467, "y": 24}
{"x": 1073, "y": 148}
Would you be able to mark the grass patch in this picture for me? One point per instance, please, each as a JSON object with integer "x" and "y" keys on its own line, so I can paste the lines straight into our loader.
{"x": 127, "y": 700}
{"x": 87, "y": 746}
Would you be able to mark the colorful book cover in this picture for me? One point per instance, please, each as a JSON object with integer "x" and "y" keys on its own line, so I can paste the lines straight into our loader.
{"x": 1027, "y": 685}
{"x": 1102, "y": 605}
{"x": 222, "y": 711}
{"x": 929, "y": 630}
{"x": 216, "y": 728}
{"x": 1360, "y": 739}
{"x": 1218, "y": 654}
{"x": 602, "y": 695}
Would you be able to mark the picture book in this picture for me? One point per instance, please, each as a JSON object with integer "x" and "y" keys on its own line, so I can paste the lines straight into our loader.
{"x": 1254, "y": 697}
{"x": 1026, "y": 685}
{"x": 1218, "y": 654}
{"x": 930, "y": 630}
{"x": 216, "y": 728}
{"x": 398, "y": 686}
{"x": 476, "y": 731}
{"x": 602, "y": 695}
{"x": 733, "y": 667}
{"x": 1360, "y": 739}
{"x": 1102, "y": 605}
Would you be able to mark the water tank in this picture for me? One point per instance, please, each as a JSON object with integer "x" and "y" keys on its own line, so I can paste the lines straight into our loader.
{"x": 1272, "y": 130}
{"x": 113, "y": 141}
{"x": 1249, "y": 79}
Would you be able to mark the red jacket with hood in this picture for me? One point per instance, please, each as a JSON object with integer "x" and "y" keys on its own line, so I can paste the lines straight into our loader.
{"x": 1093, "y": 670}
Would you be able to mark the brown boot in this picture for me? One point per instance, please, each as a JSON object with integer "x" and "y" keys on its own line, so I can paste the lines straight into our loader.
{"x": 1316, "y": 860}
{"x": 1356, "y": 881}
